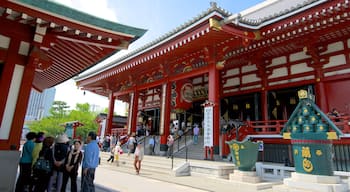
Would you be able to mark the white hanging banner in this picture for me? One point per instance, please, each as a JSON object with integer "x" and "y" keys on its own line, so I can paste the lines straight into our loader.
{"x": 208, "y": 126}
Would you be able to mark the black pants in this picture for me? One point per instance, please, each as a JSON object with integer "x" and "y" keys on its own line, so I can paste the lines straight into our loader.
{"x": 23, "y": 181}
{"x": 111, "y": 158}
{"x": 73, "y": 181}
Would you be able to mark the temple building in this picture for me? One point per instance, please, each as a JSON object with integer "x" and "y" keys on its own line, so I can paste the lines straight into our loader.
{"x": 246, "y": 66}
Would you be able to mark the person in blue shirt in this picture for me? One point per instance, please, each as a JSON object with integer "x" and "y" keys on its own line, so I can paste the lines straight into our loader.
{"x": 25, "y": 164}
{"x": 90, "y": 163}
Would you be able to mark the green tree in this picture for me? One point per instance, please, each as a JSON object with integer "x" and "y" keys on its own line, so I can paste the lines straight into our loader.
{"x": 59, "y": 109}
{"x": 54, "y": 124}
{"x": 83, "y": 114}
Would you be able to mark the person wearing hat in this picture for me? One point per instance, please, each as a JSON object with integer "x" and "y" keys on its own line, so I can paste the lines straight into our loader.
{"x": 59, "y": 151}
{"x": 90, "y": 163}
{"x": 138, "y": 155}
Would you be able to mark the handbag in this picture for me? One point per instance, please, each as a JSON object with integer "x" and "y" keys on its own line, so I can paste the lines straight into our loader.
{"x": 43, "y": 165}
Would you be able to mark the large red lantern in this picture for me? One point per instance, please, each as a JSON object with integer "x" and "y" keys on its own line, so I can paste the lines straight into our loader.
{"x": 182, "y": 94}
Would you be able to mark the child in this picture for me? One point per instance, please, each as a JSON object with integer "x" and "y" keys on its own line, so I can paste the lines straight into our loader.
{"x": 111, "y": 157}
{"x": 118, "y": 151}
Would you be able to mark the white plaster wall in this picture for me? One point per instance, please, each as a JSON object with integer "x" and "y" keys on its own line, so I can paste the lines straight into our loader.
{"x": 248, "y": 68}
{"x": 335, "y": 61}
{"x": 11, "y": 102}
{"x": 300, "y": 68}
{"x": 232, "y": 82}
{"x": 250, "y": 78}
{"x": 278, "y": 61}
{"x": 337, "y": 46}
{"x": 230, "y": 72}
{"x": 279, "y": 72}
{"x": 24, "y": 48}
{"x": 298, "y": 56}
{"x": 4, "y": 42}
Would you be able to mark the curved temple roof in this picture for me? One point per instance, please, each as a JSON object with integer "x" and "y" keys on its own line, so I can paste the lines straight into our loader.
{"x": 252, "y": 18}
{"x": 64, "y": 41}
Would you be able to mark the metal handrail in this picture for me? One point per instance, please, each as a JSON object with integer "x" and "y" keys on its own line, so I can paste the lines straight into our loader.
{"x": 178, "y": 147}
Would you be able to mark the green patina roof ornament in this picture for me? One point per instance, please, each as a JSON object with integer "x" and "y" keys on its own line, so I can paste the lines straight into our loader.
{"x": 309, "y": 122}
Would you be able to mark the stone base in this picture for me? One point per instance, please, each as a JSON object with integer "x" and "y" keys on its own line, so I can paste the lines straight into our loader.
{"x": 245, "y": 176}
{"x": 182, "y": 170}
{"x": 248, "y": 181}
{"x": 8, "y": 165}
{"x": 311, "y": 183}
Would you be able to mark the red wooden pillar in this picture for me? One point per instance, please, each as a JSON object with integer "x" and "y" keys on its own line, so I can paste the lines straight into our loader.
{"x": 109, "y": 122}
{"x": 264, "y": 110}
{"x": 214, "y": 97}
{"x": 165, "y": 115}
{"x": 22, "y": 102}
{"x": 6, "y": 75}
{"x": 133, "y": 111}
{"x": 320, "y": 92}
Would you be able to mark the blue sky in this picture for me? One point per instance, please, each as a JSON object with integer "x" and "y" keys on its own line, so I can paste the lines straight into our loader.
{"x": 156, "y": 16}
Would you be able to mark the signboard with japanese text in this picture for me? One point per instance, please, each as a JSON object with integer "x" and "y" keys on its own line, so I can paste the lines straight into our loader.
{"x": 208, "y": 126}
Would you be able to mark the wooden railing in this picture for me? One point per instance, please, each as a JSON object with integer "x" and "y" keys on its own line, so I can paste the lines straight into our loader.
{"x": 273, "y": 127}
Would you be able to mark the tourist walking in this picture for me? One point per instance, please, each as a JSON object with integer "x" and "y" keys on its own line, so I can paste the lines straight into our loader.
{"x": 72, "y": 163}
{"x": 90, "y": 163}
{"x": 111, "y": 155}
{"x": 138, "y": 156}
{"x": 25, "y": 164}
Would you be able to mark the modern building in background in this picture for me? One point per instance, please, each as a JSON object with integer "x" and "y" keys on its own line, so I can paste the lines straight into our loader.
{"x": 39, "y": 104}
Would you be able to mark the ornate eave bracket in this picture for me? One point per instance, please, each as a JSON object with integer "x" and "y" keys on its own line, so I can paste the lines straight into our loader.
{"x": 245, "y": 35}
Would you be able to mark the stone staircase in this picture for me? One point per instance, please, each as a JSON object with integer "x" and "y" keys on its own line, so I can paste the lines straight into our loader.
{"x": 193, "y": 151}
{"x": 161, "y": 166}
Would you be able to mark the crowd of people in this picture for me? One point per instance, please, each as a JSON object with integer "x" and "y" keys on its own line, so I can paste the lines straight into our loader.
{"x": 51, "y": 162}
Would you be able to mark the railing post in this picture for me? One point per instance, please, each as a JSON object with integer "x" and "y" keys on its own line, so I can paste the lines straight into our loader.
{"x": 172, "y": 157}
{"x": 346, "y": 124}
{"x": 278, "y": 126}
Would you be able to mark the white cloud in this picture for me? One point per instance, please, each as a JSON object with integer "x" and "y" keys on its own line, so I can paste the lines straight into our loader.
{"x": 68, "y": 91}
{"x": 98, "y": 8}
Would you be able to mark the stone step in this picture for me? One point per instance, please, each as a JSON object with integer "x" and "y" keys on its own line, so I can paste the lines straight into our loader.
{"x": 162, "y": 165}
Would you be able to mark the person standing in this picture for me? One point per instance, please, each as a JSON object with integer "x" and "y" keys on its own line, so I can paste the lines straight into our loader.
{"x": 25, "y": 164}
{"x": 59, "y": 151}
{"x": 131, "y": 143}
{"x": 151, "y": 144}
{"x": 72, "y": 163}
{"x": 117, "y": 151}
{"x": 195, "y": 134}
{"x": 138, "y": 155}
{"x": 170, "y": 143}
{"x": 90, "y": 163}
{"x": 43, "y": 177}
{"x": 38, "y": 145}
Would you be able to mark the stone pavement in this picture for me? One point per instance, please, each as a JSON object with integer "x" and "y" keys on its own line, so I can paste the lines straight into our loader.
{"x": 111, "y": 178}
